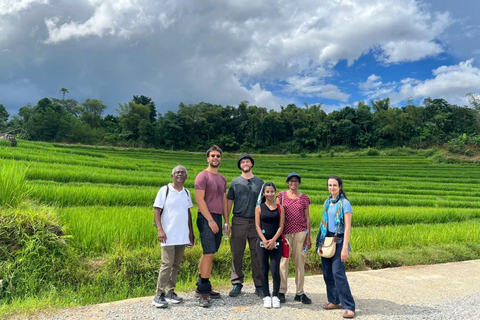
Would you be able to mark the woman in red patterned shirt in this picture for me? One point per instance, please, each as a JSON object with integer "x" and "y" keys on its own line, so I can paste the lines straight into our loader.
{"x": 297, "y": 232}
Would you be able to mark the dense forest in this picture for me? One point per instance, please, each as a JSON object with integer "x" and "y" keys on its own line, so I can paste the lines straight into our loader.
{"x": 246, "y": 127}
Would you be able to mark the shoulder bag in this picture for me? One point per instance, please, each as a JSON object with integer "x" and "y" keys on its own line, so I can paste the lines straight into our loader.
{"x": 327, "y": 250}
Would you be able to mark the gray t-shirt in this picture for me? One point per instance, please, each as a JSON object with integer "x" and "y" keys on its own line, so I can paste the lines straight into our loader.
{"x": 244, "y": 193}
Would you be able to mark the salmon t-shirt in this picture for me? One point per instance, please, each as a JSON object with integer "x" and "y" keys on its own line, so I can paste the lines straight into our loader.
{"x": 215, "y": 186}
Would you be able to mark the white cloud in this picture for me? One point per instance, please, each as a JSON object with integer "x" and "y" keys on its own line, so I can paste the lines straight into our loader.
{"x": 109, "y": 18}
{"x": 323, "y": 33}
{"x": 313, "y": 87}
{"x": 373, "y": 81}
{"x": 329, "y": 108}
{"x": 215, "y": 51}
{"x": 265, "y": 98}
{"x": 410, "y": 50}
{"x": 450, "y": 82}
{"x": 374, "y": 88}
{"x": 10, "y": 7}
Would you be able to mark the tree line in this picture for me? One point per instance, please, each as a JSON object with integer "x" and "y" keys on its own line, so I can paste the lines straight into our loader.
{"x": 244, "y": 127}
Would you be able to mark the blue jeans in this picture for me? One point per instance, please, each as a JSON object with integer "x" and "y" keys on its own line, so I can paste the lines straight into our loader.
{"x": 338, "y": 289}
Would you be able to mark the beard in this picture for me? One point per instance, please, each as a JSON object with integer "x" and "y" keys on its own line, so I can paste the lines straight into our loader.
{"x": 246, "y": 169}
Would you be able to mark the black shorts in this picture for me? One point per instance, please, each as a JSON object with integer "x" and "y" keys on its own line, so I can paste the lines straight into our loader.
{"x": 210, "y": 241}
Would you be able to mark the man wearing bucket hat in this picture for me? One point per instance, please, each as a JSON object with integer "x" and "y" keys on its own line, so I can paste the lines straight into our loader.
{"x": 243, "y": 193}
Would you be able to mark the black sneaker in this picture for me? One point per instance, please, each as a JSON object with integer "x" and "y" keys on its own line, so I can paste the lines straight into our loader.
{"x": 212, "y": 294}
{"x": 259, "y": 292}
{"x": 237, "y": 289}
{"x": 173, "y": 298}
{"x": 281, "y": 296}
{"x": 160, "y": 302}
{"x": 303, "y": 298}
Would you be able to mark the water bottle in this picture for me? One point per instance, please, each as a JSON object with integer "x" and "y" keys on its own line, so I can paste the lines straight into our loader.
{"x": 304, "y": 251}
{"x": 225, "y": 236}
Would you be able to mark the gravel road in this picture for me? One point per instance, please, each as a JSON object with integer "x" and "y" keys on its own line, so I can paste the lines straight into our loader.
{"x": 443, "y": 291}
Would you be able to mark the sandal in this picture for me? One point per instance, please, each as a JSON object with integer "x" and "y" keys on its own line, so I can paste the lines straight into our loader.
{"x": 331, "y": 306}
{"x": 349, "y": 314}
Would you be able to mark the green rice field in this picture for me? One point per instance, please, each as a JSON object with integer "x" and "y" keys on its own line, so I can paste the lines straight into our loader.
{"x": 104, "y": 195}
{"x": 408, "y": 208}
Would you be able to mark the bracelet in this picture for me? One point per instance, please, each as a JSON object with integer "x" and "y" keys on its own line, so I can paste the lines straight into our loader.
{"x": 209, "y": 221}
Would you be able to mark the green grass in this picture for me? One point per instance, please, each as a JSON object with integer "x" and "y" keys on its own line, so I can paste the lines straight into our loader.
{"x": 13, "y": 185}
{"x": 97, "y": 230}
{"x": 421, "y": 235}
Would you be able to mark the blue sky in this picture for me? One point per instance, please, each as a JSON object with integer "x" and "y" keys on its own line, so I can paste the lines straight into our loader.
{"x": 270, "y": 53}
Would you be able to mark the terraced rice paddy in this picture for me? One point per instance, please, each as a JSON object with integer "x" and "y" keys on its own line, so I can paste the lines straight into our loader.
{"x": 402, "y": 204}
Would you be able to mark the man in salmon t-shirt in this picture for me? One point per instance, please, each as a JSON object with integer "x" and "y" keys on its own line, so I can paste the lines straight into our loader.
{"x": 210, "y": 196}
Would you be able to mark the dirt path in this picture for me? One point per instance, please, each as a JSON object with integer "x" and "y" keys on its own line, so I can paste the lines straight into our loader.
{"x": 419, "y": 292}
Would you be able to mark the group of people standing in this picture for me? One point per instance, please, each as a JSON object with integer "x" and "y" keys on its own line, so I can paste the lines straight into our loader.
{"x": 276, "y": 227}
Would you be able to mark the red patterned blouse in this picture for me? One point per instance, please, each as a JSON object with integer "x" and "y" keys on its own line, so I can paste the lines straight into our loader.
{"x": 294, "y": 212}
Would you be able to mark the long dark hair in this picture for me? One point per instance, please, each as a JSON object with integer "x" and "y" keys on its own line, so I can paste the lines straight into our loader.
{"x": 265, "y": 185}
{"x": 340, "y": 184}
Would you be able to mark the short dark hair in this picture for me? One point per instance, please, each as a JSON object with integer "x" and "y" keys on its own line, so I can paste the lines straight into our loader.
{"x": 214, "y": 148}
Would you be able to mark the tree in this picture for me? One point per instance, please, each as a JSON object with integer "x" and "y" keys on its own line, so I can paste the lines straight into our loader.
{"x": 380, "y": 104}
{"x": 91, "y": 112}
{"x": 3, "y": 117}
{"x": 146, "y": 101}
{"x": 3, "y": 113}
{"x": 474, "y": 101}
{"x": 70, "y": 105}
{"x": 112, "y": 124}
{"x": 134, "y": 117}
{"x": 365, "y": 122}
{"x": 44, "y": 120}
{"x": 64, "y": 91}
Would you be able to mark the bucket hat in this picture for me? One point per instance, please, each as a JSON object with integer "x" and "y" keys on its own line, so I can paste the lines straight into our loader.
{"x": 244, "y": 156}
{"x": 293, "y": 174}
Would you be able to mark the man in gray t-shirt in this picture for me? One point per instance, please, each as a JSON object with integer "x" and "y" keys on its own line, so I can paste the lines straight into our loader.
{"x": 243, "y": 193}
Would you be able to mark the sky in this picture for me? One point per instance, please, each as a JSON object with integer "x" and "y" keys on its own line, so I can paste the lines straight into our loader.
{"x": 269, "y": 53}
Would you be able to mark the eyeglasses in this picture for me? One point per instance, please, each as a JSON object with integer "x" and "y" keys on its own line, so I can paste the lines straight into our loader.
{"x": 215, "y": 155}
{"x": 179, "y": 173}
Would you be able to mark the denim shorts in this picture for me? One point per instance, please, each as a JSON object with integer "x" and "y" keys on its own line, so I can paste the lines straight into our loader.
{"x": 210, "y": 241}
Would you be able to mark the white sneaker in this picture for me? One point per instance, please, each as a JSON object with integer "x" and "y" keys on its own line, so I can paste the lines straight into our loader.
{"x": 267, "y": 302}
{"x": 275, "y": 302}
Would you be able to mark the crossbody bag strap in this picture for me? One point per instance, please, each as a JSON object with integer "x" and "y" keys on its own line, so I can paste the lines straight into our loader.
{"x": 280, "y": 212}
{"x": 165, "y": 201}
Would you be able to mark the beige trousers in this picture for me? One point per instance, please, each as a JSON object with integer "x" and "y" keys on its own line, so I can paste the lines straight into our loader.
{"x": 296, "y": 241}
{"x": 167, "y": 276}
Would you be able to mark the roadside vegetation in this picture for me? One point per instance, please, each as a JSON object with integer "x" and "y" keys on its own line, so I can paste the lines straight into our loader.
{"x": 76, "y": 221}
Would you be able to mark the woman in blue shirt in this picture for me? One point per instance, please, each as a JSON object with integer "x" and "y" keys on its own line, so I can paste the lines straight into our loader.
{"x": 337, "y": 221}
